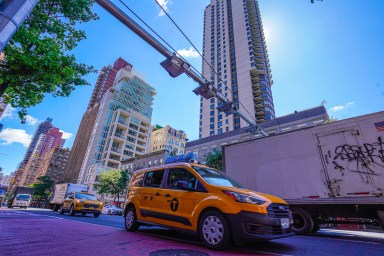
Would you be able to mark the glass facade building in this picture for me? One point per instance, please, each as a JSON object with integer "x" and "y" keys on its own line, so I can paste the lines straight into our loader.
{"x": 122, "y": 128}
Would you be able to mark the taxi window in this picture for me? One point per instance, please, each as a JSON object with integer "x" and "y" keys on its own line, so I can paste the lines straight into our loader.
{"x": 180, "y": 174}
{"x": 138, "y": 180}
{"x": 153, "y": 179}
{"x": 217, "y": 178}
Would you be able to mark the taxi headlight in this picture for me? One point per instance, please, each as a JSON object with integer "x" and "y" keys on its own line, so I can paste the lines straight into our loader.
{"x": 243, "y": 198}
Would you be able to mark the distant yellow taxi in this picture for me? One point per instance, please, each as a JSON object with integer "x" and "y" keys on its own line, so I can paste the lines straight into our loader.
{"x": 194, "y": 197}
{"x": 80, "y": 202}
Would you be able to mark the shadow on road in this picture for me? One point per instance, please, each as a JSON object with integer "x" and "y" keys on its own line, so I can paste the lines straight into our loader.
{"x": 265, "y": 246}
{"x": 275, "y": 246}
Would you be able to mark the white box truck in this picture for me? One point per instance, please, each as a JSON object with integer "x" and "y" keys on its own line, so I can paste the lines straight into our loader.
{"x": 62, "y": 190}
{"x": 21, "y": 197}
{"x": 332, "y": 173}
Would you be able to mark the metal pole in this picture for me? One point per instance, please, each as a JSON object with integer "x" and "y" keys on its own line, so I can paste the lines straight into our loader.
{"x": 12, "y": 15}
{"x": 131, "y": 24}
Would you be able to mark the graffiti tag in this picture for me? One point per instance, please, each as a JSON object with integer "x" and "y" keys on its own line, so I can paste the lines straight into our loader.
{"x": 361, "y": 158}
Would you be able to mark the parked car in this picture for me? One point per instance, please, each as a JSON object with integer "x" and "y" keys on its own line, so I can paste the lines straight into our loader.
{"x": 111, "y": 209}
{"x": 197, "y": 198}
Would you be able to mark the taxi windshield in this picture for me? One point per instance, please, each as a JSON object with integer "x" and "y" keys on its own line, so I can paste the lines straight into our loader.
{"x": 85, "y": 196}
{"x": 217, "y": 178}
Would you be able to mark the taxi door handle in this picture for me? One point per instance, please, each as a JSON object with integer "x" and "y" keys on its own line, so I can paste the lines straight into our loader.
{"x": 157, "y": 194}
{"x": 167, "y": 195}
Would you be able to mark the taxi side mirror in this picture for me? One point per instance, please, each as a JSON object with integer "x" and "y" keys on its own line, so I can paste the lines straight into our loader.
{"x": 71, "y": 197}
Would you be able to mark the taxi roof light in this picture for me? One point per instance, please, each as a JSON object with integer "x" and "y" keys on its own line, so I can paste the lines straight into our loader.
{"x": 190, "y": 157}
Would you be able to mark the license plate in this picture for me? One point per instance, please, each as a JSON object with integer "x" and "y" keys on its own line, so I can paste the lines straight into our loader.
{"x": 284, "y": 223}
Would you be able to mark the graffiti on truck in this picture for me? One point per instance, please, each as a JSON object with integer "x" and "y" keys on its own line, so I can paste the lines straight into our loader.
{"x": 363, "y": 159}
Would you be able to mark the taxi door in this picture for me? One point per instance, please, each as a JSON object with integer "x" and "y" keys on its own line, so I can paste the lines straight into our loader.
{"x": 178, "y": 205}
{"x": 68, "y": 201}
{"x": 150, "y": 202}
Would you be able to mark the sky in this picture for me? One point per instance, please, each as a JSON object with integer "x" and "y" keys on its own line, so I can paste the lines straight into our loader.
{"x": 329, "y": 51}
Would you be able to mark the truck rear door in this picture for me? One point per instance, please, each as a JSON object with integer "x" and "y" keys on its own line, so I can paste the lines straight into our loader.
{"x": 350, "y": 163}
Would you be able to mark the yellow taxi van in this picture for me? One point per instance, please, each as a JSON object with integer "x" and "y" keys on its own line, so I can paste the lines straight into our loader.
{"x": 80, "y": 202}
{"x": 193, "y": 197}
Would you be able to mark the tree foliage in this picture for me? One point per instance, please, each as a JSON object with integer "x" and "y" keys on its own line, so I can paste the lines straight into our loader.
{"x": 37, "y": 59}
{"x": 215, "y": 160}
{"x": 43, "y": 188}
{"x": 112, "y": 183}
{"x": 331, "y": 119}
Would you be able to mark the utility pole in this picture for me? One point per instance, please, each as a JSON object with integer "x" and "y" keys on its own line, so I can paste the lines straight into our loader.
{"x": 12, "y": 15}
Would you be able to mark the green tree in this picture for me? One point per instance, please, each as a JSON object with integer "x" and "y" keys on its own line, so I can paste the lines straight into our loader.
{"x": 43, "y": 189}
{"x": 112, "y": 183}
{"x": 215, "y": 160}
{"x": 37, "y": 59}
{"x": 331, "y": 119}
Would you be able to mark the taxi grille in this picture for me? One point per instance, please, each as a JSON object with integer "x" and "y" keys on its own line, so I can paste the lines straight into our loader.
{"x": 91, "y": 205}
{"x": 269, "y": 230}
{"x": 278, "y": 211}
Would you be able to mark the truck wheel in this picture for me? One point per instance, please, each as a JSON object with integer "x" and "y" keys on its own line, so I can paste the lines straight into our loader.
{"x": 61, "y": 210}
{"x": 302, "y": 222}
{"x": 131, "y": 219}
{"x": 72, "y": 210}
{"x": 214, "y": 230}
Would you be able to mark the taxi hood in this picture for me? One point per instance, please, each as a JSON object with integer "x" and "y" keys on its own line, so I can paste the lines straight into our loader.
{"x": 266, "y": 197}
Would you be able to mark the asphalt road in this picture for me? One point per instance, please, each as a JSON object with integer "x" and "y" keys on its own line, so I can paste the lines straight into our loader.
{"x": 325, "y": 242}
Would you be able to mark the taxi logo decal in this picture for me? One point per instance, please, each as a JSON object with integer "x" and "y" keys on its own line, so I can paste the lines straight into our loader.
{"x": 174, "y": 204}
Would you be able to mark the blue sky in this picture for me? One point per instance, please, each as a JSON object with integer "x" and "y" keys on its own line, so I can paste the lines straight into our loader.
{"x": 330, "y": 50}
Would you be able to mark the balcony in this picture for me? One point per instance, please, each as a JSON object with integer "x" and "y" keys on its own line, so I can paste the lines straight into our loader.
{"x": 119, "y": 135}
{"x": 123, "y": 122}
{"x": 117, "y": 150}
{"x": 114, "y": 157}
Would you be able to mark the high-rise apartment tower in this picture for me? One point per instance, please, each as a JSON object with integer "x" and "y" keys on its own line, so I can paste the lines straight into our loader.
{"x": 122, "y": 127}
{"x": 104, "y": 82}
{"x": 43, "y": 128}
{"x": 234, "y": 45}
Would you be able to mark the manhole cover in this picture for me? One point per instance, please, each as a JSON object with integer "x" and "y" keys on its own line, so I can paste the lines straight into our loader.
{"x": 178, "y": 252}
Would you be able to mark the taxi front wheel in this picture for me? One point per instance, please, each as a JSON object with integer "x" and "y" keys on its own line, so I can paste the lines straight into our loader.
{"x": 214, "y": 230}
{"x": 72, "y": 210}
{"x": 61, "y": 210}
{"x": 131, "y": 219}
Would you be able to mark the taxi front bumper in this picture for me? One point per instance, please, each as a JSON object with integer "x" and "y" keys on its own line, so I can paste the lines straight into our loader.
{"x": 88, "y": 208}
{"x": 251, "y": 226}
